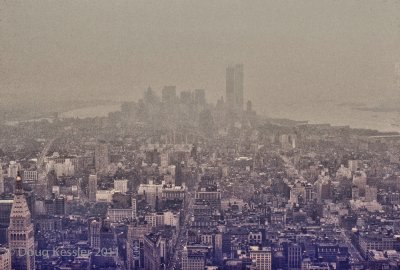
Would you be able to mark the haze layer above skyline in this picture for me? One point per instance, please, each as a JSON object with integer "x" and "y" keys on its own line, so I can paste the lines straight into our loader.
{"x": 294, "y": 52}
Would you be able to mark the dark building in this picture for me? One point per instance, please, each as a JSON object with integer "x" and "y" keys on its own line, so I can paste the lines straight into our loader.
{"x": 179, "y": 173}
{"x": 5, "y": 210}
{"x": 155, "y": 251}
{"x": 294, "y": 256}
{"x": 59, "y": 206}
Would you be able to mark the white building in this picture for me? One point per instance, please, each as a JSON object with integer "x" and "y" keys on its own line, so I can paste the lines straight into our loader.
{"x": 151, "y": 192}
{"x": 171, "y": 219}
{"x": 5, "y": 259}
{"x": 64, "y": 169}
{"x": 119, "y": 215}
{"x": 30, "y": 175}
{"x": 121, "y": 186}
{"x": 13, "y": 169}
{"x": 56, "y": 190}
{"x": 104, "y": 196}
{"x": 261, "y": 257}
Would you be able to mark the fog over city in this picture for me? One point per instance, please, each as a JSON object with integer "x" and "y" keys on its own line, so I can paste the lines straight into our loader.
{"x": 297, "y": 55}
{"x": 200, "y": 135}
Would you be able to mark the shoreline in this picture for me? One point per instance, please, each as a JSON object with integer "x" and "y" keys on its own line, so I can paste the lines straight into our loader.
{"x": 102, "y": 108}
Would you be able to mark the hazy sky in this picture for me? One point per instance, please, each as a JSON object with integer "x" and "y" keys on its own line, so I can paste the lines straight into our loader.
{"x": 292, "y": 51}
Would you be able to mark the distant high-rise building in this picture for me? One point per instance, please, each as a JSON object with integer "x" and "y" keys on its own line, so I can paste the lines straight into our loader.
{"x": 186, "y": 97}
{"x": 150, "y": 97}
{"x": 21, "y": 232}
{"x": 92, "y": 187}
{"x": 249, "y": 106}
{"x": 169, "y": 94}
{"x": 101, "y": 157}
{"x": 200, "y": 97}
{"x": 234, "y": 88}
{"x": 397, "y": 74}
{"x": 230, "y": 88}
{"x": 5, "y": 259}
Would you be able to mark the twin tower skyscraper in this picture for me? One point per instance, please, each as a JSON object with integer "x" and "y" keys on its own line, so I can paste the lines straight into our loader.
{"x": 234, "y": 89}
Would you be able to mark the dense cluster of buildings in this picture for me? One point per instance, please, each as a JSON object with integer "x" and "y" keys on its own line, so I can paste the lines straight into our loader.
{"x": 174, "y": 182}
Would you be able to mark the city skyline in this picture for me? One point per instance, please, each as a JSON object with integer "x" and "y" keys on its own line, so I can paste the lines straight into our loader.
{"x": 200, "y": 135}
{"x": 305, "y": 52}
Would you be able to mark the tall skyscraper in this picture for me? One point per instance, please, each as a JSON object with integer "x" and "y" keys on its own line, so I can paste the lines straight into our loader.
{"x": 397, "y": 74}
{"x": 234, "y": 88}
{"x": 92, "y": 187}
{"x": 230, "y": 88}
{"x": 101, "y": 157}
{"x": 20, "y": 232}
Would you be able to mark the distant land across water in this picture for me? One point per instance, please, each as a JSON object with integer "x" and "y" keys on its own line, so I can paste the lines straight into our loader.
{"x": 338, "y": 114}
{"x": 355, "y": 115}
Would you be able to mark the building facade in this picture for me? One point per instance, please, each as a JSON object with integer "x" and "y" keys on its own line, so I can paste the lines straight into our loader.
{"x": 21, "y": 232}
